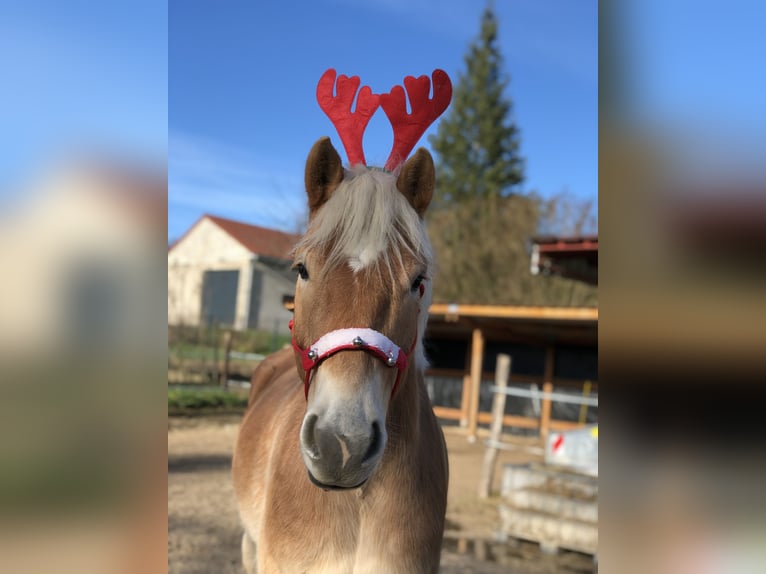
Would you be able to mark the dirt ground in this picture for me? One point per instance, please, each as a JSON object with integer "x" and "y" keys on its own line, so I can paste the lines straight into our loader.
{"x": 204, "y": 532}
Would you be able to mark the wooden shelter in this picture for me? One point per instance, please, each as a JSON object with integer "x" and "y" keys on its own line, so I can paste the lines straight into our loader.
{"x": 550, "y": 347}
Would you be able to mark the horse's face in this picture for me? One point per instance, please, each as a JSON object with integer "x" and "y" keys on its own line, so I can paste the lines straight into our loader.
{"x": 348, "y": 280}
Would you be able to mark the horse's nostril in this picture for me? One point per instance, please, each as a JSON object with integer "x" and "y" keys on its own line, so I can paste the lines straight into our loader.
{"x": 375, "y": 443}
{"x": 308, "y": 438}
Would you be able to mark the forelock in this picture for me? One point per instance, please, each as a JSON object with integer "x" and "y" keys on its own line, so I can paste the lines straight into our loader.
{"x": 367, "y": 222}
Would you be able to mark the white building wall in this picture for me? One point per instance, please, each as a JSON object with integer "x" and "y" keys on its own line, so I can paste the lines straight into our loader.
{"x": 205, "y": 247}
{"x": 208, "y": 247}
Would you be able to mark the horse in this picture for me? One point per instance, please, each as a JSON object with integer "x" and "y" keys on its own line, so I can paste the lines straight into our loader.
{"x": 340, "y": 465}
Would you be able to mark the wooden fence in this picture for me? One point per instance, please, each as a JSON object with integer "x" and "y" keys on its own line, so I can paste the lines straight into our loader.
{"x": 469, "y": 416}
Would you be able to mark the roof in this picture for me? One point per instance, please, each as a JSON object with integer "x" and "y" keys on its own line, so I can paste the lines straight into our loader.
{"x": 554, "y": 314}
{"x": 261, "y": 241}
{"x": 534, "y": 325}
{"x": 572, "y": 257}
{"x": 572, "y": 243}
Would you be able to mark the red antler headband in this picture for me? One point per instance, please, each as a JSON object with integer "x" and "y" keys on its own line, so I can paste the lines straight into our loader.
{"x": 408, "y": 128}
{"x": 350, "y": 126}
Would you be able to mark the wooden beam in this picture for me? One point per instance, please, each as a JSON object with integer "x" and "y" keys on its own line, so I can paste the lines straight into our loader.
{"x": 511, "y": 421}
{"x": 529, "y": 422}
{"x": 477, "y": 359}
{"x": 516, "y": 312}
{"x": 584, "y": 408}
{"x": 224, "y": 381}
{"x": 465, "y": 401}
{"x": 447, "y": 413}
{"x": 502, "y": 373}
{"x": 564, "y": 425}
{"x": 545, "y": 407}
{"x": 465, "y": 395}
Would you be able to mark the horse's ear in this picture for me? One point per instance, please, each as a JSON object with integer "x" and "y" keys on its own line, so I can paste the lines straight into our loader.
{"x": 416, "y": 180}
{"x": 324, "y": 172}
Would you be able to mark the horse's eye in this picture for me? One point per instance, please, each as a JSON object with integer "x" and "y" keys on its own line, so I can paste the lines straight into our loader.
{"x": 302, "y": 272}
{"x": 416, "y": 284}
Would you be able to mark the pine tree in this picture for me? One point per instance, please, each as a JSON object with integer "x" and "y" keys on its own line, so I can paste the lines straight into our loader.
{"x": 477, "y": 142}
{"x": 481, "y": 220}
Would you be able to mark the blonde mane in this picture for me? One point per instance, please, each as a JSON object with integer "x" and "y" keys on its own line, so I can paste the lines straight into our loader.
{"x": 367, "y": 221}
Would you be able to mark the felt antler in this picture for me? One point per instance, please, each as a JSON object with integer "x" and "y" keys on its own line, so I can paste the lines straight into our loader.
{"x": 350, "y": 125}
{"x": 408, "y": 128}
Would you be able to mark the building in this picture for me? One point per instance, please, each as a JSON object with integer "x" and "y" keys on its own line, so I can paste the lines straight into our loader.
{"x": 230, "y": 273}
{"x": 571, "y": 257}
{"x": 552, "y": 349}
{"x": 78, "y": 248}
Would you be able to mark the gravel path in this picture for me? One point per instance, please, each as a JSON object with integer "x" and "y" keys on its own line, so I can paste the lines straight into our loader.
{"x": 204, "y": 532}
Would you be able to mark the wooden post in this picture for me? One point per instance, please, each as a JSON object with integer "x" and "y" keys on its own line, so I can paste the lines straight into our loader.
{"x": 465, "y": 401}
{"x": 584, "y": 408}
{"x": 226, "y": 352}
{"x": 216, "y": 374}
{"x": 462, "y": 545}
{"x": 465, "y": 398}
{"x": 480, "y": 549}
{"x": 545, "y": 410}
{"x": 477, "y": 359}
{"x": 502, "y": 372}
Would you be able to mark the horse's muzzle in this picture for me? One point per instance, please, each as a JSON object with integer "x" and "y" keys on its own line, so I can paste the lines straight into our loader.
{"x": 338, "y": 457}
{"x": 324, "y": 486}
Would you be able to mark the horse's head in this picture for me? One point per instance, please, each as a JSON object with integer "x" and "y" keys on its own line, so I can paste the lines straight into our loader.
{"x": 361, "y": 304}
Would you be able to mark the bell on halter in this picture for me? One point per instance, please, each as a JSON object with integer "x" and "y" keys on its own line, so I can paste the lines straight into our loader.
{"x": 357, "y": 342}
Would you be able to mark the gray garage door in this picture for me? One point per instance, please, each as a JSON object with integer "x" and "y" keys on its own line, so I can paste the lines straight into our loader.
{"x": 219, "y": 297}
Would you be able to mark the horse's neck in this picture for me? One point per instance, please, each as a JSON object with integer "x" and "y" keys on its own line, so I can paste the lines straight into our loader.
{"x": 404, "y": 411}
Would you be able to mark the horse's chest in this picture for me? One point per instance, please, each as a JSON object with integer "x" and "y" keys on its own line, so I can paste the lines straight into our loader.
{"x": 328, "y": 560}
{"x": 341, "y": 545}
{"x": 318, "y": 556}
{"x": 333, "y": 565}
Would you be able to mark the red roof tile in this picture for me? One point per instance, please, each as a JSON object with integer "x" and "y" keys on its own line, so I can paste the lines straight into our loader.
{"x": 259, "y": 240}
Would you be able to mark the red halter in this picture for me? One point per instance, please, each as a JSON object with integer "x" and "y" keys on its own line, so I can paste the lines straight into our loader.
{"x": 354, "y": 339}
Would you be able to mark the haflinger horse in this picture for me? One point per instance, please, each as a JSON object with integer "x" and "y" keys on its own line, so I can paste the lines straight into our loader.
{"x": 340, "y": 465}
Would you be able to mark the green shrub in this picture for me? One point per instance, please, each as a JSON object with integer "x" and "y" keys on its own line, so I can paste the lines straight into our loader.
{"x": 201, "y": 340}
{"x": 197, "y": 399}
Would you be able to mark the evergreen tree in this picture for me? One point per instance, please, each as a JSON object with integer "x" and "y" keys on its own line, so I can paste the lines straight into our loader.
{"x": 477, "y": 142}
{"x": 481, "y": 221}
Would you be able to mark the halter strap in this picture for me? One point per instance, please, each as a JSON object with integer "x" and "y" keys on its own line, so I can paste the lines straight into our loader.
{"x": 357, "y": 339}
{"x": 354, "y": 339}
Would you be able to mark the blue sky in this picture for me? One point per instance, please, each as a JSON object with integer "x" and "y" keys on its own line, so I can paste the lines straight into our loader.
{"x": 242, "y": 80}
{"x": 80, "y": 76}
{"x": 696, "y": 78}
{"x": 226, "y": 89}
{"x": 692, "y": 61}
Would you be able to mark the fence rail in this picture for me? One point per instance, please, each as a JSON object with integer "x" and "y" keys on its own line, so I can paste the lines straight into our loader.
{"x": 558, "y": 397}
